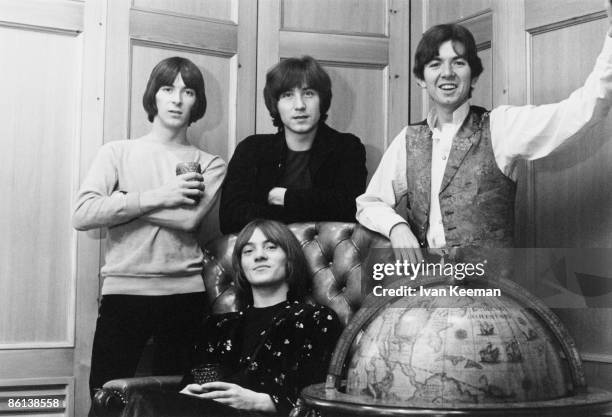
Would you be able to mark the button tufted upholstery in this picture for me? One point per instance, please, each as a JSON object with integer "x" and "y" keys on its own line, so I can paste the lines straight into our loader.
{"x": 335, "y": 253}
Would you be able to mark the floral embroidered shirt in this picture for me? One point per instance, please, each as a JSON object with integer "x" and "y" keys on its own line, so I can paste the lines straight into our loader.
{"x": 291, "y": 353}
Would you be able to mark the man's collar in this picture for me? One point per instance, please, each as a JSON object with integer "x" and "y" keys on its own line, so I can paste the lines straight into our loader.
{"x": 459, "y": 116}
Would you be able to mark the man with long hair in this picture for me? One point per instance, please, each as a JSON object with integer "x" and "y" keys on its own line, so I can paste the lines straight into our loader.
{"x": 267, "y": 351}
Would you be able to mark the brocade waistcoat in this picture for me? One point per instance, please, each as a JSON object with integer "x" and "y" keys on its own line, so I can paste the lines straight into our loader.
{"x": 476, "y": 198}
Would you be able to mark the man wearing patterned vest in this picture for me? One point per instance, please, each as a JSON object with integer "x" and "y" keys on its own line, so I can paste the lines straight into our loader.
{"x": 458, "y": 168}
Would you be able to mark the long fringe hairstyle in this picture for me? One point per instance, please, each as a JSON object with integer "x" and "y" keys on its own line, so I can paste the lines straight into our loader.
{"x": 296, "y": 268}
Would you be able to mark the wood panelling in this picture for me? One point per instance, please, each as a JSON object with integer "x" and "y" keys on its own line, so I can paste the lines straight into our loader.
{"x": 218, "y": 37}
{"x": 398, "y": 86}
{"x": 445, "y": 11}
{"x": 39, "y": 363}
{"x": 483, "y": 91}
{"x": 573, "y": 197}
{"x": 338, "y": 48}
{"x": 540, "y": 13}
{"x": 39, "y": 131}
{"x": 347, "y": 16}
{"x": 56, "y": 15}
{"x": 214, "y": 9}
{"x": 211, "y": 132}
{"x": 359, "y": 107}
{"x": 481, "y": 27}
{"x": 268, "y": 27}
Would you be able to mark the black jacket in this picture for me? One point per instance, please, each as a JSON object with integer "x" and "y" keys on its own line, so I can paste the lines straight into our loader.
{"x": 292, "y": 353}
{"x": 337, "y": 169}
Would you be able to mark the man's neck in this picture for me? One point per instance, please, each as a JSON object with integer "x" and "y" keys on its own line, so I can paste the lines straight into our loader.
{"x": 444, "y": 115}
{"x": 300, "y": 141}
{"x": 269, "y": 296}
{"x": 168, "y": 135}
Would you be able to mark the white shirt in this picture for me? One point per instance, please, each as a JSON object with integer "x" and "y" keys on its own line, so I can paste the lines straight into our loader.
{"x": 517, "y": 132}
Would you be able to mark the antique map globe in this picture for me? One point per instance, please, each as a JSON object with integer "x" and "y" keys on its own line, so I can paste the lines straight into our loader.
{"x": 456, "y": 355}
{"x": 436, "y": 351}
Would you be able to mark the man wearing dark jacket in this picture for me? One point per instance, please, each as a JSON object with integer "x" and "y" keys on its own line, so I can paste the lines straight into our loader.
{"x": 307, "y": 171}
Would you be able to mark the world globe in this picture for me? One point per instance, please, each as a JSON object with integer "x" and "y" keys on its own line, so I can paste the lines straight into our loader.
{"x": 435, "y": 353}
{"x": 425, "y": 351}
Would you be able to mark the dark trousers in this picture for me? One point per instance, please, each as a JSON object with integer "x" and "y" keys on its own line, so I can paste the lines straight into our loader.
{"x": 126, "y": 322}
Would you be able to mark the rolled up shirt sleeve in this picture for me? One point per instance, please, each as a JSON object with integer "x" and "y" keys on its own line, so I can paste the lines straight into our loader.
{"x": 376, "y": 207}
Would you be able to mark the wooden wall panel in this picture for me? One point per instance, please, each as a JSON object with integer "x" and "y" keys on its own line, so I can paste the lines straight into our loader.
{"x": 214, "y": 9}
{"x": 39, "y": 134}
{"x": 483, "y": 91}
{"x": 56, "y": 15}
{"x": 348, "y": 16}
{"x": 573, "y": 197}
{"x": 359, "y": 107}
{"x": 209, "y": 133}
{"x": 540, "y": 13}
{"x": 446, "y": 11}
{"x": 178, "y": 31}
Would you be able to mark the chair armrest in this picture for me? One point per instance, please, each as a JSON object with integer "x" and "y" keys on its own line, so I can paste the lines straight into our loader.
{"x": 110, "y": 400}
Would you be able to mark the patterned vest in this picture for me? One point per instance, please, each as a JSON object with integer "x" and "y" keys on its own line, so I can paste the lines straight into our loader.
{"x": 476, "y": 198}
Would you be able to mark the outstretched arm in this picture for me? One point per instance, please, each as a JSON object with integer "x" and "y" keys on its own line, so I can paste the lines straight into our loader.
{"x": 531, "y": 132}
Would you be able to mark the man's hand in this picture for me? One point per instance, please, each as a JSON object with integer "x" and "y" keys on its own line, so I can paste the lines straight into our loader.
{"x": 193, "y": 390}
{"x": 185, "y": 189}
{"x": 276, "y": 196}
{"x": 405, "y": 245}
{"x": 232, "y": 395}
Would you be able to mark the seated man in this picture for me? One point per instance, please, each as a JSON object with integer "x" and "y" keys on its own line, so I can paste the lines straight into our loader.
{"x": 307, "y": 171}
{"x": 458, "y": 168}
{"x": 267, "y": 352}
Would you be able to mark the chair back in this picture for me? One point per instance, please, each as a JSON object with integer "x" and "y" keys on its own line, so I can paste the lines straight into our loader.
{"x": 335, "y": 253}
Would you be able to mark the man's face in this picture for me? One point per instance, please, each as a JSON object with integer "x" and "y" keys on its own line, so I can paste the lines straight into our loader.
{"x": 263, "y": 262}
{"x": 448, "y": 77}
{"x": 299, "y": 109}
{"x": 174, "y": 103}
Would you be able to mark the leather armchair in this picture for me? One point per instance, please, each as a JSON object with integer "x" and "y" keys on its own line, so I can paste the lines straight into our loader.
{"x": 336, "y": 255}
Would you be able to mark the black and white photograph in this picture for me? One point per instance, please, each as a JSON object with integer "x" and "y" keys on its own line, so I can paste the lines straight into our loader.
{"x": 306, "y": 208}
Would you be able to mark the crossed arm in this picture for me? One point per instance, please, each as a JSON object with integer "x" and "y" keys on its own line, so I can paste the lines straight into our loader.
{"x": 181, "y": 203}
